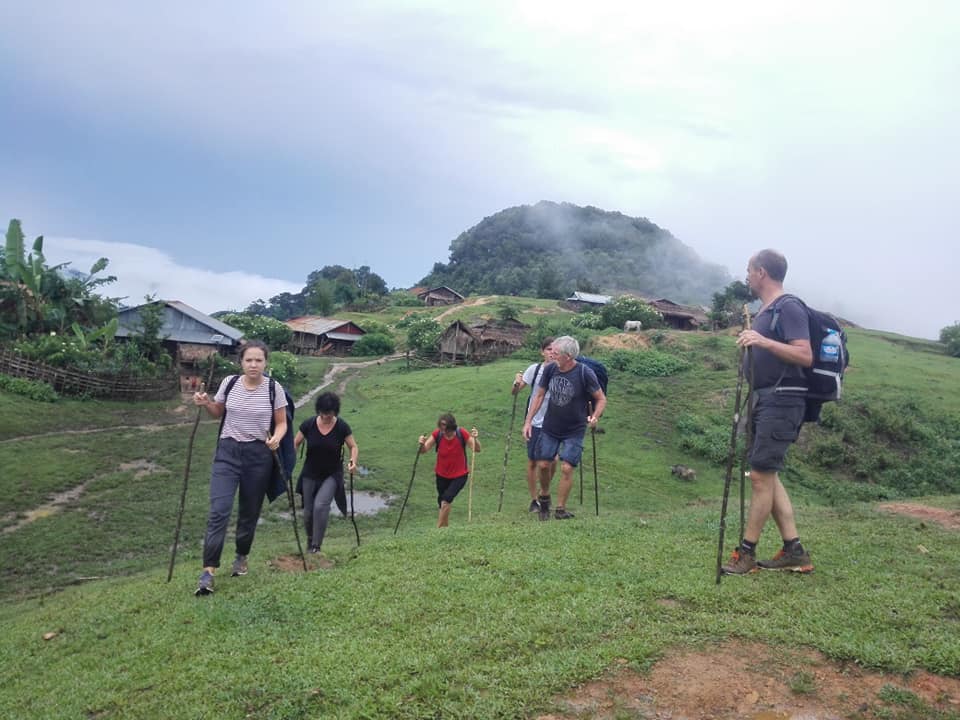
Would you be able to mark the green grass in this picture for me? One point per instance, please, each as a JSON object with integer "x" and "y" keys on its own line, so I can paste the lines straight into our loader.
{"x": 484, "y": 620}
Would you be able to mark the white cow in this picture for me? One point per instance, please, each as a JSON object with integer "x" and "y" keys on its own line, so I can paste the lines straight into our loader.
{"x": 632, "y": 326}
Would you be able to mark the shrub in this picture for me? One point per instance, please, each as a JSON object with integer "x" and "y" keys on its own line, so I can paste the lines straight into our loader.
{"x": 950, "y": 336}
{"x": 274, "y": 333}
{"x": 284, "y": 367}
{"x": 423, "y": 336}
{"x": 402, "y": 298}
{"x": 646, "y": 363}
{"x": 374, "y": 344}
{"x": 33, "y": 389}
{"x": 625, "y": 307}
{"x": 375, "y": 327}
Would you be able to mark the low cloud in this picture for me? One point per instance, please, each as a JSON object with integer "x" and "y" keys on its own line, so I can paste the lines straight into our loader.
{"x": 142, "y": 271}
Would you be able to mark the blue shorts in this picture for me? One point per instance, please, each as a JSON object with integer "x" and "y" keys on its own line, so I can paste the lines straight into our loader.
{"x": 776, "y": 425}
{"x": 532, "y": 442}
{"x": 569, "y": 449}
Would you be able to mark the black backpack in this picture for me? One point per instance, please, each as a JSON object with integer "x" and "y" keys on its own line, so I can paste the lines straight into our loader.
{"x": 824, "y": 379}
{"x": 288, "y": 455}
{"x": 463, "y": 442}
{"x": 599, "y": 369}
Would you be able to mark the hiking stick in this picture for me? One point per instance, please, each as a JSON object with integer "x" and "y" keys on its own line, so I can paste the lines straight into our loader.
{"x": 733, "y": 447}
{"x": 506, "y": 451}
{"x": 473, "y": 464}
{"x": 747, "y": 441}
{"x": 186, "y": 475}
{"x": 596, "y": 481}
{"x": 352, "y": 516}
{"x": 409, "y": 488}
{"x": 293, "y": 508}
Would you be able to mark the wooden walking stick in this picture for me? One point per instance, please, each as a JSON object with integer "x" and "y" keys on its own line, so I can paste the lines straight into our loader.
{"x": 186, "y": 475}
{"x": 473, "y": 464}
{"x": 352, "y": 516}
{"x": 409, "y": 487}
{"x": 733, "y": 448}
{"x": 293, "y": 508}
{"x": 596, "y": 481}
{"x": 506, "y": 448}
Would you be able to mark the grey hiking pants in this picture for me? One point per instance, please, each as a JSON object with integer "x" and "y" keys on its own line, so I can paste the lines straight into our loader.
{"x": 317, "y": 497}
{"x": 243, "y": 466}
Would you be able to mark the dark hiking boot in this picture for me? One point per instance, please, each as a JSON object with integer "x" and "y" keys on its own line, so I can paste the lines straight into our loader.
{"x": 562, "y": 514}
{"x": 544, "y": 507}
{"x": 239, "y": 566}
{"x": 205, "y": 584}
{"x": 793, "y": 562}
{"x": 740, "y": 563}
{"x": 313, "y": 550}
{"x": 534, "y": 506}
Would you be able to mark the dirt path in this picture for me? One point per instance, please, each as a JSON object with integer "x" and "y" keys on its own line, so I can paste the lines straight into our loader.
{"x": 337, "y": 369}
{"x": 465, "y": 303}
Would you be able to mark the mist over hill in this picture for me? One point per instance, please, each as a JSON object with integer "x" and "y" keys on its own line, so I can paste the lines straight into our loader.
{"x": 551, "y": 249}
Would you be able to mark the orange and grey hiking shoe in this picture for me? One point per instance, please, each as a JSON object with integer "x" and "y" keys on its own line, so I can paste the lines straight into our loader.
{"x": 783, "y": 560}
{"x": 740, "y": 563}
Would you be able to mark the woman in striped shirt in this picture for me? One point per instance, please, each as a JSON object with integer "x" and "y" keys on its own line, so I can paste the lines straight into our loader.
{"x": 250, "y": 433}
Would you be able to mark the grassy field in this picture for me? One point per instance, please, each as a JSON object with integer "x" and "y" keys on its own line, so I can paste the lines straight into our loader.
{"x": 487, "y": 619}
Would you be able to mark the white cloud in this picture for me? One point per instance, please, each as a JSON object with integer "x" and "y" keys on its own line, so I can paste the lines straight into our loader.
{"x": 144, "y": 271}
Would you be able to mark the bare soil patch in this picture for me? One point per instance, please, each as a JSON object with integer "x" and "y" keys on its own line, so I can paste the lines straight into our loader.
{"x": 751, "y": 681}
{"x": 950, "y": 519}
{"x": 623, "y": 341}
{"x": 293, "y": 563}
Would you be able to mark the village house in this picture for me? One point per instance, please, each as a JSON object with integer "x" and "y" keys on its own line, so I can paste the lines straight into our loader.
{"x": 580, "y": 301}
{"x": 440, "y": 296}
{"x": 189, "y": 335}
{"x": 481, "y": 340}
{"x": 313, "y": 335}
{"x": 679, "y": 317}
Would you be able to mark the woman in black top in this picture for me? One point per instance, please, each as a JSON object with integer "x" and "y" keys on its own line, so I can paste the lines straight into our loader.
{"x": 322, "y": 474}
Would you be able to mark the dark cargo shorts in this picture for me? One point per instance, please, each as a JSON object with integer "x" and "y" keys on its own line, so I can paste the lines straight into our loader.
{"x": 776, "y": 425}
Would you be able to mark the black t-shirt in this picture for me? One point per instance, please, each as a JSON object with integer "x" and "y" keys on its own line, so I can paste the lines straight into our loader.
{"x": 569, "y": 394}
{"x": 768, "y": 369}
{"x": 324, "y": 451}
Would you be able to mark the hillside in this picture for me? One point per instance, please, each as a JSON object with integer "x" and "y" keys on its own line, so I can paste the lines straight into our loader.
{"x": 501, "y": 617}
{"x": 551, "y": 249}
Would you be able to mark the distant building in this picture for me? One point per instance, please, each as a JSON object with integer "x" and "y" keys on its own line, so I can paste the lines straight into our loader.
{"x": 440, "y": 296}
{"x": 481, "y": 340}
{"x": 586, "y": 301}
{"x": 680, "y": 317}
{"x": 189, "y": 335}
{"x": 314, "y": 335}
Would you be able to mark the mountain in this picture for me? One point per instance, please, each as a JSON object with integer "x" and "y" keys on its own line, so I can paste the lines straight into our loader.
{"x": 551, "y": 249}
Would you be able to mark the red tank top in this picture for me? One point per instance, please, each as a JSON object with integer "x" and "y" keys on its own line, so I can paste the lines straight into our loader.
{"x": 451, "y": 455}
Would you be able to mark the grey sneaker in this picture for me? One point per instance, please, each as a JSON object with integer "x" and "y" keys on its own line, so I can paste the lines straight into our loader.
{"x": 239, "y": 566}
{"x": 562, "y": 514}
{"x": 740, "y": 563}
{"x": 205, "y": 584}
{"x": 534, "y": 506}
{"x": 544, "y": 508}
{"x": 793, "y": 562}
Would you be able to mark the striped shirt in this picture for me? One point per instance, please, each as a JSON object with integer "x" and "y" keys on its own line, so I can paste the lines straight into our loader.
{"x": 248, "y": 411}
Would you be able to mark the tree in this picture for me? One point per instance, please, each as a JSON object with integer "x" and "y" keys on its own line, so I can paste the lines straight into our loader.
{"x": 727, "y": 310}
{"x": 423, "y": 336}
{"x": 373, "y": 344}
{"x": 950, "y": 336}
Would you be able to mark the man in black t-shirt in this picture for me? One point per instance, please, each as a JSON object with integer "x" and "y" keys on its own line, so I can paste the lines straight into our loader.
{"x": 576, "y": 401}
{"x": 780, "y": 344}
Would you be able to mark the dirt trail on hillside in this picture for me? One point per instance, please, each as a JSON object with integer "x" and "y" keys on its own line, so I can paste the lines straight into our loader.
{"x": 465, "y": 303}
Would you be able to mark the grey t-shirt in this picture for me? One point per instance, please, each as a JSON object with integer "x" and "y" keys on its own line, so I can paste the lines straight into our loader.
{"x": 768, "y": 369}
{"x": 531, "y": 377}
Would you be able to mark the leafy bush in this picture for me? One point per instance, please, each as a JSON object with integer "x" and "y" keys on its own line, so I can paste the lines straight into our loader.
{"x": 708, "y": 438}
{"x": 284, "y": 367}
{"x": 646, "y": 363}
{"x": 402, "y": 298}
{"x": 590, "y": 320}
{"x": 273, "y": 332}
{"x": 374, "y": 344}
{"x": 625, "y": 307}
{"x": 375, "y": 327}
{"x": 423, "y": 335}
{"x": 33, "y": 389}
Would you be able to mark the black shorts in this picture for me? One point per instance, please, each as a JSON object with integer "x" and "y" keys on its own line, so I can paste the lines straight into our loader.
{"x": 449, "y": 488}
{"x": 776, "y": 425}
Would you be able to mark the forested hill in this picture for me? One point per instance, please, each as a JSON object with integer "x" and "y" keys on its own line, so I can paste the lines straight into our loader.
{"x": 551, "y": 249}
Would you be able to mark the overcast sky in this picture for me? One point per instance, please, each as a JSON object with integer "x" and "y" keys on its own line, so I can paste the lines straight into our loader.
{"x": 218, "y": 152}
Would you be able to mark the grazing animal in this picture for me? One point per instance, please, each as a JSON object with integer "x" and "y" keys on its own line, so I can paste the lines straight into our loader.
{"x": 683, "y": 472}
{"x": 632, "y": 326}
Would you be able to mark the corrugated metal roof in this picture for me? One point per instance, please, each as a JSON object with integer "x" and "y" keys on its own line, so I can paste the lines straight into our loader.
{"x": 315, "y": 325}
{"x": 589, "y": 298}
{"x": 353, "y": 337}
{"x": 181, "y": 323}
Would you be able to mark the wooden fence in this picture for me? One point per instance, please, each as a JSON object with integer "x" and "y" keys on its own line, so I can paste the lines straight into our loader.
{"x": 73, "y": 382}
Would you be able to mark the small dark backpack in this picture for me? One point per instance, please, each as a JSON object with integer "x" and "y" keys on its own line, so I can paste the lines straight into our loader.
{"x": 463, "y": 442}
{"x": 599, "y": 369}
{"x": 824, "y": 379}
